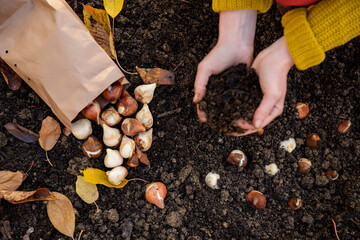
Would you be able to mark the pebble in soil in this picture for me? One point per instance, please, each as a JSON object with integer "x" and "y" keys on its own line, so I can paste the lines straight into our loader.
{"x": 231, "y": 95}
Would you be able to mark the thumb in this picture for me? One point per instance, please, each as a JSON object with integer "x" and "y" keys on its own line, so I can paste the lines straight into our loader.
{"x": 264, "y": 110}
{"x": 201, "y": 80}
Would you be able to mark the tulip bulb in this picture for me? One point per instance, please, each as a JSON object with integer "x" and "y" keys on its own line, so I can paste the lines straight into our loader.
{"x": 289, "y": 145}
{"x": 117, "y": 175}
{"x": 143, "y": 140}
{"x": 257, "y": 199}
{"x": 145, "y": 93}
{"x": 133, "y": 161}
{"x": 112, "y": 158}
{"x": 81, "y": 129}
{"x": 238, "y": 158}
{"x": 111, "y": 136}
{"x": 131, "y": 126}
{"x": 145, "y": 117}
{"x": 113, "y": 92}
{"x": 155, "y": 193}
{"x": 211, "y": 180}
{"x": 92, "y": 148}
{"x": 126, "y": 105}
{"x": 271, "y": 169}
{"x": 92, "y": 111}
{"x": 110, "y": 116}
{"x": 127, "y": 147}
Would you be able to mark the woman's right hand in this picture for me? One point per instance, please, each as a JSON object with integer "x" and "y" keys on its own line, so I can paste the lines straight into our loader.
{"x": 235, "y": 45}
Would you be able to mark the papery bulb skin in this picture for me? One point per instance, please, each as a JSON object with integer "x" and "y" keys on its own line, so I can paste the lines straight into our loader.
{"x": 145, "y": 93}
{"x": 111, "y": 136}
{"x": 81, "y": 129}
{"x": 126, "y": 105}
{"x": 145, "y": 117}
{"x": 113, "y": 92}
{"x": 155, "y": 193}
{"x": 144, "y": 140}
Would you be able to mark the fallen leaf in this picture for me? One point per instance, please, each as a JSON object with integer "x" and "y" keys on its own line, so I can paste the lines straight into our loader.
{"x": 156, "y": 75}
{"x": 113, "y": 7}
{"x": 17, "y": 197}
{"x": 12, "y": 79}
{"x": 21, "y": 133}
{"x": 61, "y": 214}
{"x": 97, "y": 21}
{"x": 49, "y": 133}
{"x": 11, "y": 180}
{"x": 86, "y": 191}
{"x": 97, "y": 176}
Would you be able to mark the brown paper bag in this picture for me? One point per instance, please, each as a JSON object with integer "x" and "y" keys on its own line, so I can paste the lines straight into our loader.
{"x": 53, "y": 52}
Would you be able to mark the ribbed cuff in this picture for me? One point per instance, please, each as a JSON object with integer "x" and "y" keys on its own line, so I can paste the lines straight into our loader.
{"x": 300, "y": 39}
{"x": 229, "y": 5}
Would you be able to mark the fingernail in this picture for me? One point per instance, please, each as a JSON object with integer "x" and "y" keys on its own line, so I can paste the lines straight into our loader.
{"x": 257, "y": 123}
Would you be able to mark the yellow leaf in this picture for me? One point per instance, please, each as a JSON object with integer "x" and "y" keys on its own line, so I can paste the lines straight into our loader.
{"x": 97, "y": 21}
{"x": 61, "y": 214}
{"x": 97, "y": 176}
{"x": 113, "y": 7}
{"x": 86, "y": 191}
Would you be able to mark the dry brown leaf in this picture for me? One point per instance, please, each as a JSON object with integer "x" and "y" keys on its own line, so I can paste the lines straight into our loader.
{"x": 21, "y": 133}
{"x": 142, "y": 157}
{"x": 17, "y": 197}
{"x": 12, "y": 79}
{"x": 49, "y": 133}
{"x": 61, "y": 214}
{"x": 86, "y": 191}
{"x": 11, "y": 180}
{"x": 97, "y": 21}
{"x": 156, "y": 75}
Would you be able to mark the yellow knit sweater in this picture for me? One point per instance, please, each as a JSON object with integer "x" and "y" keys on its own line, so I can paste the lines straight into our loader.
{"x": 309, "y": 33}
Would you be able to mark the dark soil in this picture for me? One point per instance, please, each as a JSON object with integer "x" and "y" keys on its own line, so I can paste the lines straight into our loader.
{"x": 177, "y": 35}
{"x": 232, "y": 95}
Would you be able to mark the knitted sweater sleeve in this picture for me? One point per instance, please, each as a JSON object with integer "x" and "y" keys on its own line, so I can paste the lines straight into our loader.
{"x": 228, "y": 5}
{"x": 310, "y": 33}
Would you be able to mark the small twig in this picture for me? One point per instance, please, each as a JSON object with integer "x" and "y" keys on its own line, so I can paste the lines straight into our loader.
{"x": 335, "y": 229}
{"x": 138, "y": 179}
{"x": 116, "y": 59}
{"x": 169, "y": 113}
{"x": 29, "y": 168}
{"x": 80, "y": 234}
{"x": 356, "y": 221}
{"x": 181, "y": 63}
{"x": 47, "y": 158}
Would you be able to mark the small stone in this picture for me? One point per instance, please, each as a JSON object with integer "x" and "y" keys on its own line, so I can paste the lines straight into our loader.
{"x": 321, "y": 180}
{"x": 113, "y": 215}
{"x": 174, "y": 219}
{"x": 184, "y": 173}
{"x": 3, "y": 140}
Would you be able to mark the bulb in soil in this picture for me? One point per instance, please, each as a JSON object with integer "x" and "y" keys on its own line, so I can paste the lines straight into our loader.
{"x": 117, "y": 175}
{"x": 295, "y": 203}
{"x": 92, "y": 148}
{"x": 304, "y": 165}
{"x": 143, "y": 140}
{"x": 113, "y": 158}
{"x": 145, "y": 117}
{"x": 126, "y": 105}
{"x": 155, "y": 193}
{"x": 257, "y": 199}
{"x": 92, "y": 111}
{"x": 238, "y": 158}
{"x": 111, "y": 136}
{"x": 289, "y": 145}
{"x": 212, "y": 179}
{"x": 127, "y": 147}
{"x": 312, "y": 140}
{"x": 113, "y": 92}
{"x": 145, "y": 93}
{"x": 271, "y": 169}
{"x": 110, "y": 116}
{"x": 81, "y": 129}
{"x": 131, "y": 127}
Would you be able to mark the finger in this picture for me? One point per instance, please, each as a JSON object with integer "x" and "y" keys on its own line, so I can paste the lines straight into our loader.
{"x": 264, "y": 110}
{"x": 277, "y": 110}
{"x": 247, "y": 132}
{"x": 201, "y": 80}
{"x": 201, "y": 114}
{"x": 243, "y": 124}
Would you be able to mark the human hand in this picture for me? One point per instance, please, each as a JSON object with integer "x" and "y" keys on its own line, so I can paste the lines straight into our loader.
{"x": 235, "y": 45}
{"x": 272, "y": 66}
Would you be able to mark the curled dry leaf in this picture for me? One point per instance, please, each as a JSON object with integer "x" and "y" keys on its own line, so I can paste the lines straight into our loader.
{"x": 156, "y": 75}
{"x": 49, "y": 133}
{"x": 11, "y": 180}
{"x": 86, "y": 191}
{"x": 12, "y": 79}
{"x": 61, "y": 214}
{"x": 21, "y": 133}
{"x": 142, "y": 157}
{"x": 16, "y": 197}
{"x": 97, "y": 176}
{"x": 97, "y": 21}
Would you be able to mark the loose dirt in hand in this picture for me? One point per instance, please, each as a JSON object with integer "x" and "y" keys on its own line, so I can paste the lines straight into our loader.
{"x": 232, "y": 95}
